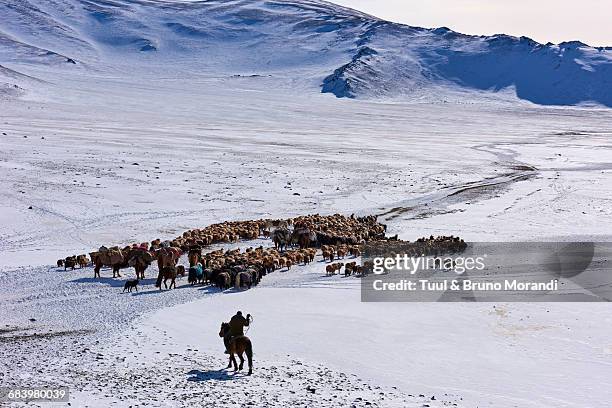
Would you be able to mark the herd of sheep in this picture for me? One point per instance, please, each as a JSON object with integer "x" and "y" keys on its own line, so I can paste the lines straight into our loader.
{"x": 296, "y": 241}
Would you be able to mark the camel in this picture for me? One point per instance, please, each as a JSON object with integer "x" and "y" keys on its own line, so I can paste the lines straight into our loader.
{"x": 168, "y": 256}
{"x": 112, "y": 257}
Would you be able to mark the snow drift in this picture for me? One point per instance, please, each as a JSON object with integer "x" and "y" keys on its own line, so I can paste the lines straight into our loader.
{"x": 332, "y": 48}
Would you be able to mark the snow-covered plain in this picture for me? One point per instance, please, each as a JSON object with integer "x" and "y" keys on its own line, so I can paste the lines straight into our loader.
{"x": 121, "y": 148}
{"x": 160, "y": 156}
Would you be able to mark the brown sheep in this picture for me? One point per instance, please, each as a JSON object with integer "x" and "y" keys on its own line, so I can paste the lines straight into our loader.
{"x": 349, "y": 268}
{"x": 82, "y": 261}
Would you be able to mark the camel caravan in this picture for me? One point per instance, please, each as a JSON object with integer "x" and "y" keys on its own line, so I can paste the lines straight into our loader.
{"x": 296, "y": 241}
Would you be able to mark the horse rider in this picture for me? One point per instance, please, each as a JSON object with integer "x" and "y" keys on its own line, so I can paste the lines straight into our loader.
{"x": 236, "y": 328}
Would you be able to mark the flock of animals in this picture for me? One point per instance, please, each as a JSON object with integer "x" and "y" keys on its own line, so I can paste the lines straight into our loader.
{"x": 296, "y": 241}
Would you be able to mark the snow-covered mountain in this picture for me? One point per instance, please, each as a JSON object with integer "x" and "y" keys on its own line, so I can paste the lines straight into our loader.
{"x": 332, "y": 48}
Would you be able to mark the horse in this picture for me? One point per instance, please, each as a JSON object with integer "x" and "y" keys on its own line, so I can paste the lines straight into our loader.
{"x": 168, "y": 272}
{"x": 207, "y": 275}
{"x": 281, "y": 238}
{"x": 223, "y": 280}
{"x": 301, "y": 237}
{"x": 140, "y": 267}
{"x": 244, "y": 279}
{"x": 238, "y": 345}
{"x": 255, "y": 275}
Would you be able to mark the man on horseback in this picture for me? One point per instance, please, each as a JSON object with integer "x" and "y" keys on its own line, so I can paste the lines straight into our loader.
{"x": 236, "y": 342}
{"x": 236, "y": 328}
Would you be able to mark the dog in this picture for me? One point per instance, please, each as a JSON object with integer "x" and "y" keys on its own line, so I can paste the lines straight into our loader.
{"x": 130, "y": 284}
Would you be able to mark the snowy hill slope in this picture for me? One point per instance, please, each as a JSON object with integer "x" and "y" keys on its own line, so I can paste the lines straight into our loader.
{"x": 332, "y": 48}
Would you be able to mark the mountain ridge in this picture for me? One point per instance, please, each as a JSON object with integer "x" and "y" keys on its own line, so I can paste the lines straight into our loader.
{"x": 348, "y": 53}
